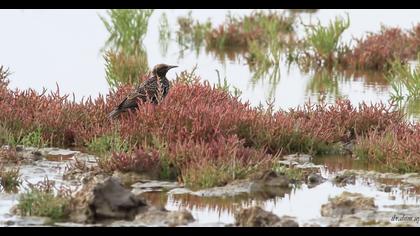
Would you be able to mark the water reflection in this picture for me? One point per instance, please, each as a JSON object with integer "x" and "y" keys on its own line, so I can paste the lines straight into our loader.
{"x": 411, "y": 108}
{"x": 324, "y": 82}
{"x": 164, "y": 34}
{"x": 335, "y": 163}
{"x": 293, "y": 203}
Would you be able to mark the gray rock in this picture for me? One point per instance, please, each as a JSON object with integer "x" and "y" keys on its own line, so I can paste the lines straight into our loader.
{"x": 19, "y": 148}
{"x": 175, "y": 218}
{"x": 369, "y": 218}
{"x": 112, "y": 200}
{"x": 37, "y": 155}
{"x": 152, "y": 217}
{"x": 286, "y": 221}
{"x": 347, "y": 203}
{"x": 271, "y": 179}
{"x": 105, "y": 199}
{"x": 315, "y": 179}
{"x": 161, "y": 217}
{"x": 257, "y": 217}
{"x": 344, "y": 179}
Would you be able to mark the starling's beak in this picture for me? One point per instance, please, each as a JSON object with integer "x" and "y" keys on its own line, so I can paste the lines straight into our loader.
{"x": 170, "y": 67}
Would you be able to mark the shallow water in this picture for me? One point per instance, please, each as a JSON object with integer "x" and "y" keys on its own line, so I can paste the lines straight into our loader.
{"x": 31, "y": 174}
{"x": 45, "y": 47}
{"x": 336, "y": 163}
{"x": 301, "y": 202}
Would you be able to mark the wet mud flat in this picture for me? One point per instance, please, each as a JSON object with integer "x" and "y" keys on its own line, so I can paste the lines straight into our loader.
{"x": 330, "y": 196}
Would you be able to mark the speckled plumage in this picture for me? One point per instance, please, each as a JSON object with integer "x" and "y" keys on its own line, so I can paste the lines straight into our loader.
{"x": 153, "y": 89}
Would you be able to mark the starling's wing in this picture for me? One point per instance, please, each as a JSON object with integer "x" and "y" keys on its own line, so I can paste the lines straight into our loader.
{"x": 149, "y": 87}
{"x": 144, "y": 90}
{"x": 131, "y": 100}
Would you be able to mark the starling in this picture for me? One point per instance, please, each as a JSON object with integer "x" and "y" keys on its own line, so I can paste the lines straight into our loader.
{"x": 153, "y": 89}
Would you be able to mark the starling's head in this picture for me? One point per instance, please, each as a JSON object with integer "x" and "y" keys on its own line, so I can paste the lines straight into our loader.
{"x": 160, "y": 70}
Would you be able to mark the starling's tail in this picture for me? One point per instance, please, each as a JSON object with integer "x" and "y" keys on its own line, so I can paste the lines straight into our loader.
{"x": 114, "y": 114}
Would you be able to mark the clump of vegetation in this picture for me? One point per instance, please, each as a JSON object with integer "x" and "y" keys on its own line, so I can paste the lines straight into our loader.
{"x": 378, "y": 51}
{"x": 5, "y": 136}
{"x": 324, "y": 40}
{"x": 405, "y": 84}
{"x": 108, "y": 143}
{"x": 13, "y": 138}
{"x": 33, "y": 139}
{"x": 404, "y": 79}
{"x": 414, "y": 34}
{"x": 396, "y": 148}
{"x": 139, "y": 160}
{"x": 226, "y": 87}
{"x": 4, "y": 74}
{"x": 218, "y": 162}
{"x": 123, "y": 68}
{"x": 9, "y": 179}
{"x": 259, "y": 26}
{"x": 41, "y": 200}
{"x": 126, "y": 60}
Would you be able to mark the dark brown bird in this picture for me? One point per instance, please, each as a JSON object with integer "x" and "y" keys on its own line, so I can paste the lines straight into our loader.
{"x": 153, "y": 89}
